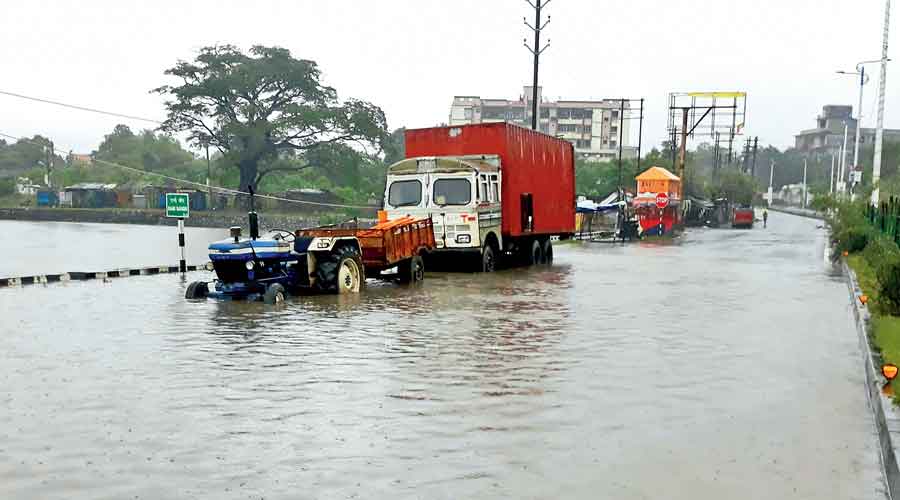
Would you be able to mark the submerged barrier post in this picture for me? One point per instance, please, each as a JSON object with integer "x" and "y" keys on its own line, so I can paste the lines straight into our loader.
{"x": 182, "y": 265}
{"x": 178, "y": 207}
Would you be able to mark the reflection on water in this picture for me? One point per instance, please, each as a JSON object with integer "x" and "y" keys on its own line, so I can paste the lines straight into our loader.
{"x": 722, "y": 364}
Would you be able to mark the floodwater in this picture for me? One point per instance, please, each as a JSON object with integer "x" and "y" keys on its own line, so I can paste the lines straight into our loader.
{"x": 723, "y": 366}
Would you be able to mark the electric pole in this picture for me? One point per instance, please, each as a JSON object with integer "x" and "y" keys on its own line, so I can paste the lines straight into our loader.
{"x": 47, "y": 179}
{"x": 755, "y": 146}
{"x": 537, "y": 50}
{"x": 879, "y": 131}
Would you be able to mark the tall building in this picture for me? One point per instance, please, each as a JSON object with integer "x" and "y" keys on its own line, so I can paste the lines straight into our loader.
{"x": 591, "y": 126}
{"x": 828, "y": 136}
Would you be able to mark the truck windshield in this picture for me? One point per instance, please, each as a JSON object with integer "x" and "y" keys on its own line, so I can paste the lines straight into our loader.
{"x": 405, "y": 193}
{"x": 452, "y": 192}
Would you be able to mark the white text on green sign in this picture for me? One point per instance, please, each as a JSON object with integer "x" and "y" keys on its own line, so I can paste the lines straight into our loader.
{"x": 177, "y": 205}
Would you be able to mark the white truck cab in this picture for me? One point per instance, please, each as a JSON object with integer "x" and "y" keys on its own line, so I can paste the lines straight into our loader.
{"x": 461, "y": 194}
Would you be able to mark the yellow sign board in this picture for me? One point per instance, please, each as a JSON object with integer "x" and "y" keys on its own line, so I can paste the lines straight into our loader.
{"x": 722, "y": 95}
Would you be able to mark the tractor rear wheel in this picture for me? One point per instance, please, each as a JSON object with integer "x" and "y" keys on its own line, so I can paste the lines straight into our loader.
{"x": 339, "y": 271}
{"x": 196, "y": 290}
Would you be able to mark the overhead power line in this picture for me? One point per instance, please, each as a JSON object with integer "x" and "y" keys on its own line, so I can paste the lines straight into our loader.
{"x": 197, "y": 184}
{"x": 80, "y": 108}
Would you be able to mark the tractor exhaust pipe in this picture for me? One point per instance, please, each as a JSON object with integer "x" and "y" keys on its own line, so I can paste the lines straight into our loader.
{"x": 253, "y": 217}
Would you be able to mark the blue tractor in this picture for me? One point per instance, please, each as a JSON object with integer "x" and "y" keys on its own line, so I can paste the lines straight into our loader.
{"x": 280, "y": 263}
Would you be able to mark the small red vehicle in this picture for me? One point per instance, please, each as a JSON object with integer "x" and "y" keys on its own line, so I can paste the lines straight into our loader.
{"x": 742, "y": 217}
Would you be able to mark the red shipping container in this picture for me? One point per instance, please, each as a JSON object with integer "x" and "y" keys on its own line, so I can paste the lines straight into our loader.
{"x": 531, "y": 163}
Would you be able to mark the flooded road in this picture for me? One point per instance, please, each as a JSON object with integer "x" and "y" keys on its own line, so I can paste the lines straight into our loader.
{"x": 725, "y": 366}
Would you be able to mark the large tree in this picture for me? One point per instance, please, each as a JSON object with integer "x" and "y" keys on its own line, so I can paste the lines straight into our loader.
{"x": 256, "y": 106}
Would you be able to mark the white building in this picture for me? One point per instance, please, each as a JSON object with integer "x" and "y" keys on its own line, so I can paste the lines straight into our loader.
{"x": 591, "y": 126}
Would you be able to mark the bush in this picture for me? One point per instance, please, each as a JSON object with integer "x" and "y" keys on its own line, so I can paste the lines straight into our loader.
{"x": 883, "y": 256}
{"x": 850, "y": 230}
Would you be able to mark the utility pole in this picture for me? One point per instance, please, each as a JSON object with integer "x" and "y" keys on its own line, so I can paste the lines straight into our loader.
{"x": 537, "y": 50}
{"x": 862, "y": 82}
{"x": 879, "y": 131}
{"x": 640, "y": 135}
{"x": 48, "y": 181}
{"x": 753, "y": 167}
{"x": 208, "y": 175}
{"x": 683, "y": 153}
{"x": 731, "y": 133}
{"x": 843, "y": 162}
{"x": 716, "y": 158}
{"x": 831, "y": 184}
{"x": 771, "y": 178}
{"x": 621, "y": 123}
{"x": 804, "y": 184}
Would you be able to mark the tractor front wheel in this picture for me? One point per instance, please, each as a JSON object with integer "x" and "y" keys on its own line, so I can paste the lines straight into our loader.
{"x": 197, "y": 290}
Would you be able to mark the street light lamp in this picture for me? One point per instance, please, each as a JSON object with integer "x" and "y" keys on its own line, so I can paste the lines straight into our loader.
{"x": 863, "y": 79}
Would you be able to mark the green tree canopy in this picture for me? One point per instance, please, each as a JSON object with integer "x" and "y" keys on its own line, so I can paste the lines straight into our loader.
{"x": 254, "y": 107}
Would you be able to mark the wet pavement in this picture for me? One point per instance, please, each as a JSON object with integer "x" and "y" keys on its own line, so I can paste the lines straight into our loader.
{"x": 723, "y": 366}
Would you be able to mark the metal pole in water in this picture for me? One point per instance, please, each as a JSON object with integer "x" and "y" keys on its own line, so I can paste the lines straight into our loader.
{"x": 182, "y": 265}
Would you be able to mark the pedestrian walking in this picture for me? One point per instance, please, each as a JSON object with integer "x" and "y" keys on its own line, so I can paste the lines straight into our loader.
{"x": 765, "y": 217}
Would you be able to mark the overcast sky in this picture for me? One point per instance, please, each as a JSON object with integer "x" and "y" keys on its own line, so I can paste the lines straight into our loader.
{"x": 412, "y": 56}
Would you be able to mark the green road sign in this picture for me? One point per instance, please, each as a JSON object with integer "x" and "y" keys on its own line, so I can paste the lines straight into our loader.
{"x": 177, "y": 205}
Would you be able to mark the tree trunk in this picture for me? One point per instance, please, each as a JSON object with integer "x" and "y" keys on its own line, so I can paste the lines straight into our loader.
{"x": 248, "y": 169}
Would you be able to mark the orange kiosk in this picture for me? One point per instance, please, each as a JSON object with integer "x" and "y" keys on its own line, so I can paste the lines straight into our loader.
{"x": 657, "y": 204}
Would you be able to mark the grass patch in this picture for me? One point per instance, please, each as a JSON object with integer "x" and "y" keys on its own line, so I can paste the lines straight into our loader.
{"x": 885, "y": 327}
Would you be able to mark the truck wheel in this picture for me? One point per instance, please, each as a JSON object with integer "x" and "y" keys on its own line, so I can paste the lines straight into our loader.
{"x": 537, "y": 254}
{"x": 488, "y": 259}
{"x": 274, "y": 294}
{"x": 413, "y": 270}
{"x": 547, "y": 250}
{"x": 339, "y": 271}
{"x": 196, "y": 290}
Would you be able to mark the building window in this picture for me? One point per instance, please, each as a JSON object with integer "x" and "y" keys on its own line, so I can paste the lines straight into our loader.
{"x": 545, "y": 113}
{"x": 468, "y": 113}
{"x": 563, "y": 113}
{"x": 583, "y": 144}
{"x": 613, "y": 144}
{"x": 615, "y": 114}
{"x": 545, "y": 128}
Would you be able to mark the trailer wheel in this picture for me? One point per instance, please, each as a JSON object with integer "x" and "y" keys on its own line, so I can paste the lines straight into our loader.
{"x": 340, "y": 271}
{"x": 547, "y": 249}
{"x": 274, "y": 294}
{"x": 196, "y": 290}
{"x": 536, "y": 256}
{"x": 488, "y": 259}
{"x": 412, "y": 271}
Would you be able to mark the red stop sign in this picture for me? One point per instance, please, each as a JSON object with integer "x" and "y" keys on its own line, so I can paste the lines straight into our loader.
{"x": 662, "y": 200}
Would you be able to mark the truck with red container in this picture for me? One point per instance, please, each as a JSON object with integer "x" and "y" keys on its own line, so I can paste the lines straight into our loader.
{"x": 496, "y": 192}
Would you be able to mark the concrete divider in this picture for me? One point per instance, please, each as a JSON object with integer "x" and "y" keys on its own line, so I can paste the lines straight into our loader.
{"x": 91, "y": 275}
{"x": 887, "y": 417}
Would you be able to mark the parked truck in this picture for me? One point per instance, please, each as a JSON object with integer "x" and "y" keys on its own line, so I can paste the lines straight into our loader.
{"x": 496, "y": 192}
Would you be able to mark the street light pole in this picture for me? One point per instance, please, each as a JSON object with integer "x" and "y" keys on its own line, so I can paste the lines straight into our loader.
{"x": 831, "y": 184}
{"x": 879, "y": 131}
{"x": 771, "y": 177}
{"x": 863, "y": 79}
{"x": 804, "y": 184}
{"x": 842, "y": 172}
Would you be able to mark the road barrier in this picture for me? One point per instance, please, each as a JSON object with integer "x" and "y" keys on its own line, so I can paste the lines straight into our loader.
{"x": 42, "y": 279}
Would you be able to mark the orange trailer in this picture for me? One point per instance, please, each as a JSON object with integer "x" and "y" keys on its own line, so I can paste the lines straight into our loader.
{"x": 399, "y": 243}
